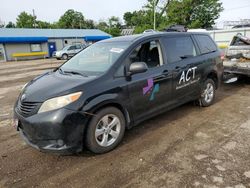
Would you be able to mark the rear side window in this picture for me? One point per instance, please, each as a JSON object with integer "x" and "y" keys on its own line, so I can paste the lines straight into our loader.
{"x": 78, "y": 46}
{"x": 72, "y": 48}
{"x": 206, "y": 44}
{"x": 178, "y": 48}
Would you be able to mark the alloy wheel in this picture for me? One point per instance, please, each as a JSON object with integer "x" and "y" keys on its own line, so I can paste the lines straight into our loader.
{"x": 107, "y": 130}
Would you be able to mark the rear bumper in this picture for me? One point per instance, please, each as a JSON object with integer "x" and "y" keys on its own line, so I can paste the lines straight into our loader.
{"x": 237, "y": 70}
{"x": 59, "y": 131}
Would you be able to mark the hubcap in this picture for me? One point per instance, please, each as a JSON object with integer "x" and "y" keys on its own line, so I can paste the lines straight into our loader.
{"x": 65, "y": 56}
{"x": 209, "y": 93}
{"x": 107, "y": 130}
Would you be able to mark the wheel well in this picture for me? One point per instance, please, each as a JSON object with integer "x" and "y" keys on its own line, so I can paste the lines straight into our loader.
{"x": 214, "y": 77}
{"x": 119, "y": 107}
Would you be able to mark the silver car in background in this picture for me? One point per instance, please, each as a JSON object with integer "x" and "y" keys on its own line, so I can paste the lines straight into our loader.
{"x": 69, "y": 51}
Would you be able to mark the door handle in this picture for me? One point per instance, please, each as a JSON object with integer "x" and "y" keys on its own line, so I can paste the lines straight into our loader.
{"x": 177, "y": 69}
{"x": 165, "y": 72}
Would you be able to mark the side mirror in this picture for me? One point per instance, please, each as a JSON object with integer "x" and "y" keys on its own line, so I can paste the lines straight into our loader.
{"x": 137, "y": 67}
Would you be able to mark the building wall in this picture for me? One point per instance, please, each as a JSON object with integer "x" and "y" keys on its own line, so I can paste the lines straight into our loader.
{"x": 224, "y": 37}
{"x": 2, "y": 53}
{"x": 26, "y": 47}
{"x": 21, "y": 48}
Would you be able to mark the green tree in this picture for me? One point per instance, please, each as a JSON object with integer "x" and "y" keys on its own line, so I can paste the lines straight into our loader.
{"x": 72, "y": 19}
{"x": 114, "y": 25}
{"x": 102, "y": 25}
{"x": 143, "y": 20}
{"x": 128, "y": 16}
{"x": 159, "y": 5}
{"x": 89, "y": 24}
{"x": 10, "y": 25}
{"x": 25, "y": 20}
{"x": 194, "y": 13}
{"x": 43, "y": 25}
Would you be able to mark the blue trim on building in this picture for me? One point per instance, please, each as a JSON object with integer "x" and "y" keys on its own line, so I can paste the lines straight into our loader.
{"x": 95, "y": 38}
{"x": 15, "y": 40}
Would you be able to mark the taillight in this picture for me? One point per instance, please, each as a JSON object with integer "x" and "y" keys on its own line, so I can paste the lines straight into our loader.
{"x": 222, "y": 56}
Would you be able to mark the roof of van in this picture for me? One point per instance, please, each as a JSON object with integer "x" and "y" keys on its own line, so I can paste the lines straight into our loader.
{"x": 132, "y": 38}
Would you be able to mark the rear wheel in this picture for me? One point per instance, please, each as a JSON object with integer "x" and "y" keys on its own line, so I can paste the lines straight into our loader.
{"x": 208, "y": 93}
{"x": 105, "y": 130}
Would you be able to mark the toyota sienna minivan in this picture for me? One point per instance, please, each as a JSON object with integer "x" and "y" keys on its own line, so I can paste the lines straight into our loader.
{"x": 91, "y": 100}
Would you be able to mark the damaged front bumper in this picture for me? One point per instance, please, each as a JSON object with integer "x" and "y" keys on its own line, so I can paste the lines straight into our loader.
{"x": 59, "y": 131}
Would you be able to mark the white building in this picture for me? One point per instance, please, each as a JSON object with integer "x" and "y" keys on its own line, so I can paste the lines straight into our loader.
{"x": 37, "y": 43}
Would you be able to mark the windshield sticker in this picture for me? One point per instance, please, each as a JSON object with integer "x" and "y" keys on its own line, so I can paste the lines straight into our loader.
{"x": 151, "y": 88}
{"x": 117, "y": 50}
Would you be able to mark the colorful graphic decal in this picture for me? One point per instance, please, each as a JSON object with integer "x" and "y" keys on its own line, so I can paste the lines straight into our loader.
{"x": 150, "y": 87}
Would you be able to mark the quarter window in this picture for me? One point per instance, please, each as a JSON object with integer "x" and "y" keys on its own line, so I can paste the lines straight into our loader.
{"x": 179, "y": 48}
{"x": 206, "y": 44}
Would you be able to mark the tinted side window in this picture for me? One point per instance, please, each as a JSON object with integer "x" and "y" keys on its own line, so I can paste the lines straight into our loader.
{"x": 78, "y": 46}
{"x": 206, "y": 44}
{"x": 72, "y": 48}
{"x": 178, "y": 48}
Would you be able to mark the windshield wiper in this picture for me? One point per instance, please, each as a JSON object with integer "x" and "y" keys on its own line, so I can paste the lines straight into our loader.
{"x": 74, "y": 72}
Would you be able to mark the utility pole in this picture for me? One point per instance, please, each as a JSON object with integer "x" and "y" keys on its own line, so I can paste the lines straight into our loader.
{"x": 154, "y": 15}
{"x": 34, "y": 16}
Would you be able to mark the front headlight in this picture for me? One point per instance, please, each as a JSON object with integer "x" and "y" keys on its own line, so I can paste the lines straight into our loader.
{"x": 58, "y": 53}
{"x": 59, "y": 102}
{"x": 24, "y": 87}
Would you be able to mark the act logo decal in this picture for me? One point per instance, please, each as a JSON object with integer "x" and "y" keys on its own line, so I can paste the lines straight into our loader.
{"x": 187, "y": 78}
{"x": 151, "y": 87}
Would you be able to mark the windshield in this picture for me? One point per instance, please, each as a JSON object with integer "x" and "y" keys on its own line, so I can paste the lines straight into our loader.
{"x": 96, "y": 59}
{"x": 65, "y": 48}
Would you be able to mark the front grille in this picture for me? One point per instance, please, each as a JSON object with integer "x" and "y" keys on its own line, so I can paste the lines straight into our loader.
{"x": 28, "y": 108}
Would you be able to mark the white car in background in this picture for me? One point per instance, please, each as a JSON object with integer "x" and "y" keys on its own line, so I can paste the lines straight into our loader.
{"x": 69, "y": 51}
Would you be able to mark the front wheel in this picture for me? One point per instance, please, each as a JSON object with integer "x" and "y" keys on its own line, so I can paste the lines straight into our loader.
{"x": 208, "y": 93}
{"x": 65, "y": 56}
{"x": 105, "y": 130}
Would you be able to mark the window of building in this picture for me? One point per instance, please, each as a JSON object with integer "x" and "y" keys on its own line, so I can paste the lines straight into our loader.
{"x": 206, "y": 44}
{"x": 179, "y": 48}
{"x": 36, "y": 47}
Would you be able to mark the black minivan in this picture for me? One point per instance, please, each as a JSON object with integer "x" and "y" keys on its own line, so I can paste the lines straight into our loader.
{"x": 113, "y": 85}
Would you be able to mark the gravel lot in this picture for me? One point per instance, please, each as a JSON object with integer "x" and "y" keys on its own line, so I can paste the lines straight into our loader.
{"x": 186, "y": 147}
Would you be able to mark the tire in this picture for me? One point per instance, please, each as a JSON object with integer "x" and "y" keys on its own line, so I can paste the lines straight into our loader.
{"x": 208, "y": 93}
{"x": 65, "y": 56}
{"x": 102, "y": 135}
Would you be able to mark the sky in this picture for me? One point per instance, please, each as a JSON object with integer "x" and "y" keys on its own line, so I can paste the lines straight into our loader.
{"x": 51, "y": 10}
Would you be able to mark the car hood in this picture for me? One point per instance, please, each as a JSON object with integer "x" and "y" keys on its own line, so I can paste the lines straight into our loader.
{"x": 53, "y": 84}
